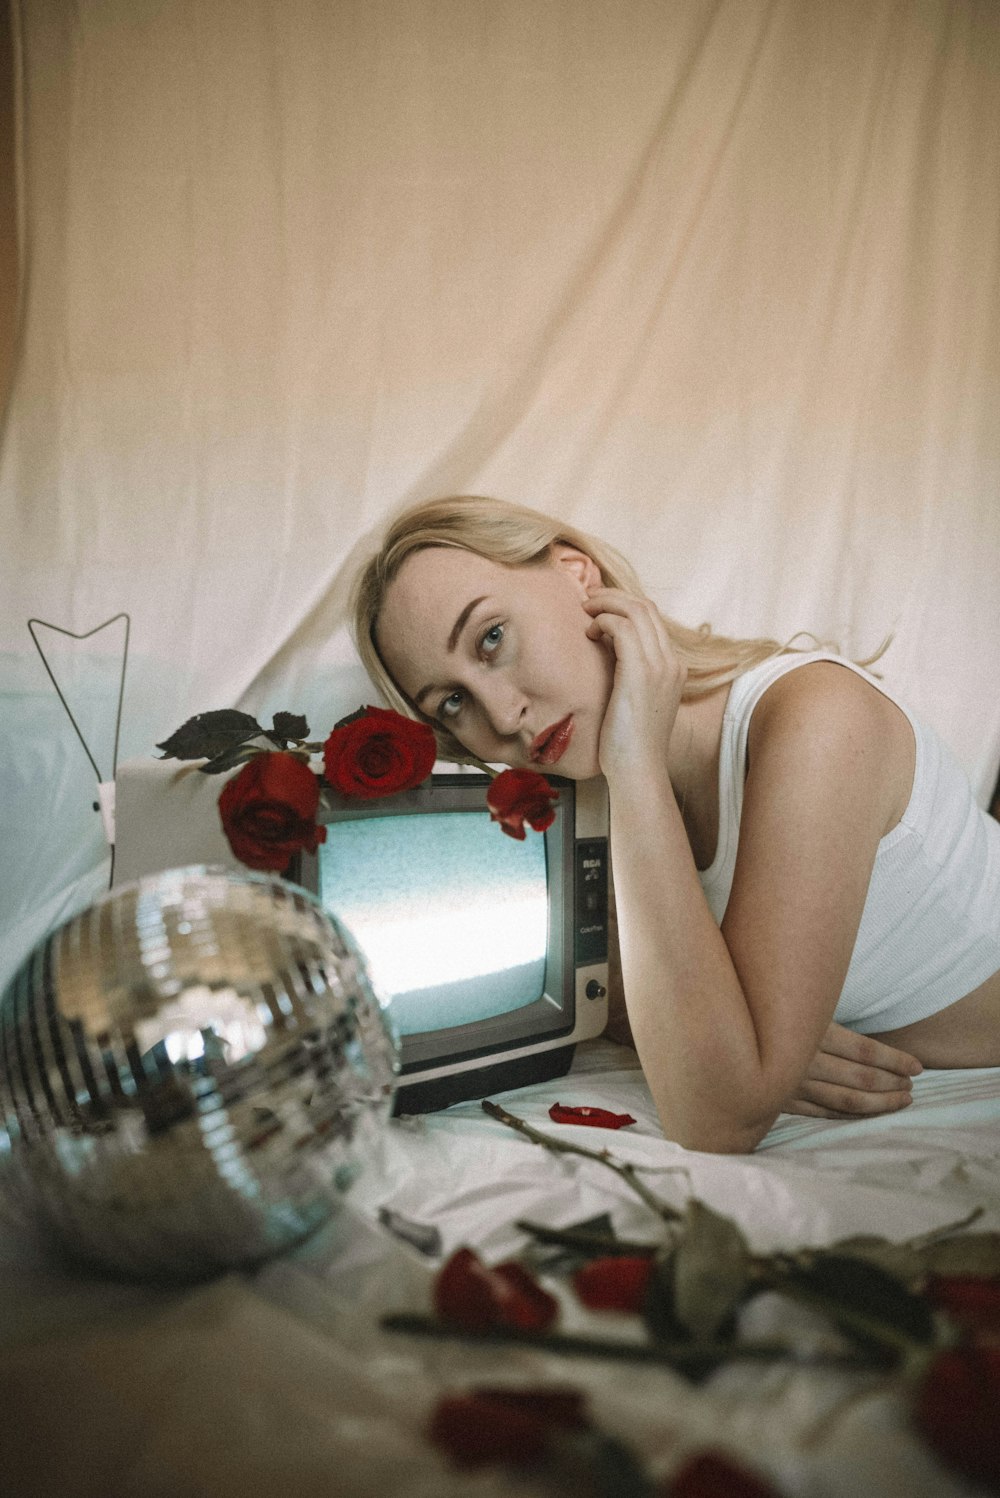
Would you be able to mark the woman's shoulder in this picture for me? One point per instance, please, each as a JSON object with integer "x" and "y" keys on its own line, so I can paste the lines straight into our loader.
{"x": 826, "y": 710}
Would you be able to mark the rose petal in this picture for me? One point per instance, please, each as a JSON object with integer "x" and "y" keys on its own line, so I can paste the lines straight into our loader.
{"x": 504, "y": 1425}
{"x": 519, "y": 796}
{"x": 475, "y": 1297}
{"x": 710, "y": 1474}
{"x": 956, "y": 1409}
{"x": 972, "y": 1301}
{"x": 593, "y": 1118}
{"x": 614, "y": 1282}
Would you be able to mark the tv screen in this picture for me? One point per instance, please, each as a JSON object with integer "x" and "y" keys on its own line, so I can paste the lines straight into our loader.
{"x": 398, "y": 883}
{"x": 491, "y": 952}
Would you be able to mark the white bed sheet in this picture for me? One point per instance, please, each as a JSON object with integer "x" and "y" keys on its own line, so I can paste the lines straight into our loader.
{"x": 283, "y": 1382}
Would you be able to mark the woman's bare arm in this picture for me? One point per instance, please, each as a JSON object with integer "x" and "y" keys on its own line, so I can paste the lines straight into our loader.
{"x": 726, "y": 1021}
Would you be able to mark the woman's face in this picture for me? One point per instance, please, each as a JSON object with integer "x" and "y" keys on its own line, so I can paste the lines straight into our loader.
{"x": 500, "y": 655}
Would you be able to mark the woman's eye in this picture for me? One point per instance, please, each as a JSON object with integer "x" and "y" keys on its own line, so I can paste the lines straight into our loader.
{"x": 492, "y": 639}
{"x": 450, "y": 707}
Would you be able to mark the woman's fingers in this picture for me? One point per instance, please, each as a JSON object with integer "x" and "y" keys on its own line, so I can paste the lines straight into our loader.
{"x": 637, "y": 633}
{"x": 866, "y": 1051}
{"x": 828, "y": 1100}
{"x": 854, "y": 1076}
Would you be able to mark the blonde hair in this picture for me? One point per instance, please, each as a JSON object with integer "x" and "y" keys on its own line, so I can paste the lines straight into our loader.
{"x": 516, "y": 536}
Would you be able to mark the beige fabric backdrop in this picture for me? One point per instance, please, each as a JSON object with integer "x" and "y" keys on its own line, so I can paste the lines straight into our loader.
{"x": 719, "y": 280}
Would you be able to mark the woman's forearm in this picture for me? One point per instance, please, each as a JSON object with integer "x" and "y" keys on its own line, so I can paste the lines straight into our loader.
{"x": 691, "y": 1022}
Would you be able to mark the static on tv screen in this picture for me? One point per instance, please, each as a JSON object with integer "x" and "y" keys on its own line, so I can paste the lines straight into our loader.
{"x": 452, "y": 915}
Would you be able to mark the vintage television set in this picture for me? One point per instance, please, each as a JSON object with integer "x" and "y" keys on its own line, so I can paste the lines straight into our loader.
{"x": 491, "y": 952}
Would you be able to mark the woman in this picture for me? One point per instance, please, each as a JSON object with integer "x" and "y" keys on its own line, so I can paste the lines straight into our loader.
{"x": 792, "y": 851}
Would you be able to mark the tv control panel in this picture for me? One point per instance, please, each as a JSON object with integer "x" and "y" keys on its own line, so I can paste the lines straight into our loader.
{"x": 590, "y": 923}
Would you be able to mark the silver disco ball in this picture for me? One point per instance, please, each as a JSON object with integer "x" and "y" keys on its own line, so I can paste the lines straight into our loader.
{"x": 192, "y": 1072}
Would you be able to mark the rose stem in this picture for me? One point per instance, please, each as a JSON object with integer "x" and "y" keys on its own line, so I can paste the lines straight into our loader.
{"x": 604, "y": 1243}
{"x": 627, "y": 1172}
{"x": 697, "y": 1357}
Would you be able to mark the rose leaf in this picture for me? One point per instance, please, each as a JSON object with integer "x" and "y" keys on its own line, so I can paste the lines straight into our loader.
{"x": 289, "y": 726}
{"x": 239, "y": 754}
{"x": 208, "y": 734}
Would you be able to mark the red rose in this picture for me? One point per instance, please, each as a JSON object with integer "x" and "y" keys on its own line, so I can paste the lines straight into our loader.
{"x": 956, "y": 1409}
{"x": 475, "y": 1297}
{"x": 972, "y": 1301}
{"x": 615, "y": 1282}
{"x": 709, "y": 1474}
{"x": 504, "y": 1425}
{"x": 519, "y": 796}
{"x": 268, "y": 811}
{"x": 377, "y": 752}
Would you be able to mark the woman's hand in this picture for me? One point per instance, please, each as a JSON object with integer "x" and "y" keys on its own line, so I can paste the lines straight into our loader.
{"x": 649, "y": 679}
{"x": 854, "y": 1076}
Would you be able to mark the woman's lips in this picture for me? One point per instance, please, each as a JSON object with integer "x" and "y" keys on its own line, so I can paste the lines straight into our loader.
{"x": 551, "y": 744}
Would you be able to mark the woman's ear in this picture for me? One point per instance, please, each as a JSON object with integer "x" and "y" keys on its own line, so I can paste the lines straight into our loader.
{"x": 577, "y": 564}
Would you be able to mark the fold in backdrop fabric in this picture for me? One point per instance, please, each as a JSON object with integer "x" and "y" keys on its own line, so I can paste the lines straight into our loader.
{"x": 717, "y": 280}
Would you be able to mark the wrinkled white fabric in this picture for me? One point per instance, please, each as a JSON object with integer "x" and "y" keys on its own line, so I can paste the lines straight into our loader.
{"x": 284, "y": 1380}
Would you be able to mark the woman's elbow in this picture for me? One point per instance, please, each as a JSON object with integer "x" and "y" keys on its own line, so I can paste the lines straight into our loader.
{"x": 717, "y": 1136}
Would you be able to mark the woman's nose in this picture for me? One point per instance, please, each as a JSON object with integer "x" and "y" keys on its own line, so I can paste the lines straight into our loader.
{"x": 505, "y": 709}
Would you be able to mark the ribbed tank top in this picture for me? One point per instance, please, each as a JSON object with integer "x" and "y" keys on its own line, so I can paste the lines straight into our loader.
{"x": 930, "y": 929}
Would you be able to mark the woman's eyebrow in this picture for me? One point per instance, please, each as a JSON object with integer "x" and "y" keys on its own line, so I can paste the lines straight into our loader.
{"x": 461, "y": 621}
{"x": 453, "y": 639}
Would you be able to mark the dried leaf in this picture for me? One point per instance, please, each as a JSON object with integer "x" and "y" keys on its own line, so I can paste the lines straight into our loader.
{"x": 866, "y": 1302}
{"x": 658, "y": 1312}
{"x": 208, "y": 734}
{"x": 711, "y": 1272}
{"x": 971, "y": 1253}
{"x": 899, "y": 1259}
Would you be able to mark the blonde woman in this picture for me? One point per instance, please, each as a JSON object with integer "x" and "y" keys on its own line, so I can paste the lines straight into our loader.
{"x": 808, "y": 897}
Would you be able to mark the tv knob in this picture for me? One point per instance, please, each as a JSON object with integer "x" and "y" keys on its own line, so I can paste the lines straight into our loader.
{"x": 595, "y": 990}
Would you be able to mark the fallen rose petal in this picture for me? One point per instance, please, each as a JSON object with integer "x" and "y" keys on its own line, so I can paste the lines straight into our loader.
{"x": 475, "y": 1431}
{"x": 475, "y": 1297}
{"x": 593, "y": 1118}
{"x": 504, "y": 1425}
{"x": 522, "y": 1302}
{"x": 957, "y": 1408}
{"x": 463, "y": 1291}
{"x": 710, "y": 1474}
{"x": 972, "y": 1301}
{"x": 614, "y": 1283}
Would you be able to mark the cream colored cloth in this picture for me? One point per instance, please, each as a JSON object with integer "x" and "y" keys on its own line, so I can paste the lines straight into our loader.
{"x": 717, "y": 279}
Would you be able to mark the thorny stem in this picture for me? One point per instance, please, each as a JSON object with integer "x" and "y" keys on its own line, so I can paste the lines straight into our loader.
{"x": 926, "y": 1239}
{"x": 691, "y": 1357}
{"x": 627, "y": 1172}
{"x": 604, "y": 1243}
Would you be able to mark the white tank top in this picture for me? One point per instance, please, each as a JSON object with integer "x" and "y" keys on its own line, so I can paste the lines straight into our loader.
{"x": 930, "y": 929}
